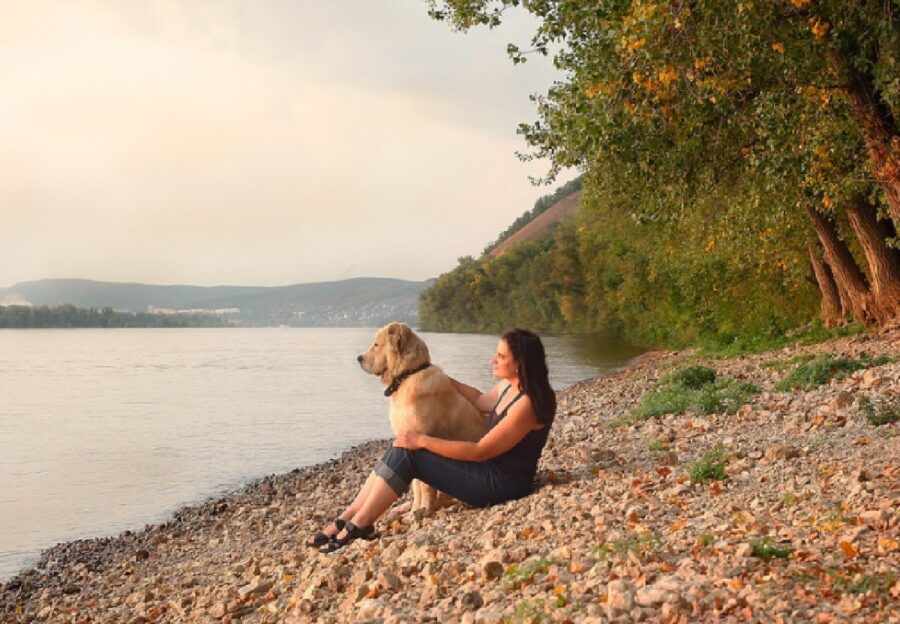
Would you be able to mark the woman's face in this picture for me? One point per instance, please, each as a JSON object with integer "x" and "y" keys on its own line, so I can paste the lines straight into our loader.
{"x": 503, "y": 365}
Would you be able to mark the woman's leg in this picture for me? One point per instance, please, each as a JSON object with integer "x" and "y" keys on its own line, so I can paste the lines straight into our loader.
{"x": 476, "y": 483}
{"x": 332, "y": 529}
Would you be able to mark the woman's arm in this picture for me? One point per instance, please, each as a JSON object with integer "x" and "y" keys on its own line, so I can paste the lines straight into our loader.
{"x": 515, "y": 425}
{"x": 483, "y": 401}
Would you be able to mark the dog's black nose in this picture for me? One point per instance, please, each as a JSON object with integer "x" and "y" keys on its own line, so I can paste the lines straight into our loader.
{"x": 359, "y": 359}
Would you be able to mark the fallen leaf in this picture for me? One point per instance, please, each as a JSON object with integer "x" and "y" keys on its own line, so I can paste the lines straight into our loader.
{"x": 886, "y": 543}
{"x": 849, "y": 549}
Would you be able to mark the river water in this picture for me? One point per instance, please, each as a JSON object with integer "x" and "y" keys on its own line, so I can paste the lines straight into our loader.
{"x": 107, "y": 430}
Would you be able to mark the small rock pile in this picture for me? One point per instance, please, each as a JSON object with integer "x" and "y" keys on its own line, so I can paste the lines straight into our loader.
{"x": 803, "y": 528}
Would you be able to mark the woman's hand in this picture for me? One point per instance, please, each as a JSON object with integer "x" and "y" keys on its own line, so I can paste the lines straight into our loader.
{"x": 409, "y": 440}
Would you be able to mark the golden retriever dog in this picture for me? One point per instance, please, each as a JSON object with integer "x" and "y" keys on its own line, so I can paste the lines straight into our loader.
{"x": 422, "y": 397}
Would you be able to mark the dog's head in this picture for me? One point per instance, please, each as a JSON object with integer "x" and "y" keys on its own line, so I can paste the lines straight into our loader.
{"x": 394, "y": 349}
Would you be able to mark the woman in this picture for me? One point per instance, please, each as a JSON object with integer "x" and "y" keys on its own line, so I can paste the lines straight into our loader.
{"x": 497, "y": 468}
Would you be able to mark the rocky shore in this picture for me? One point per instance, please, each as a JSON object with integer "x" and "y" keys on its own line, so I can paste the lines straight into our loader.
{"x": 804, "y": 526}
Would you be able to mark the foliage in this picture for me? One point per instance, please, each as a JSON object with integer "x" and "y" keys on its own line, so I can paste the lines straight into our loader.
{"x": 693, "y": 389}
{"x": 705, "y": 131}
{"x": 883, "y": 412}
{"x": 822, "y": 369}
{"x": 767, "y": 549}
{"x": 710, "y": 467}
{"x": 68, "y": 316}
{"x": 519, "y": 575}
{"x": 693, "y": 377}
{"x": 645, "y": 541}
{"x": 811, "y": 333}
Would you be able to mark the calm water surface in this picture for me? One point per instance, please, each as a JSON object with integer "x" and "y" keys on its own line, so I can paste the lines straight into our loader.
{"x": 107, "y": 430}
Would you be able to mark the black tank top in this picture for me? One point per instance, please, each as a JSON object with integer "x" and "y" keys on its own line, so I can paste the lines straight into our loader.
{"x": 521, "y": 459}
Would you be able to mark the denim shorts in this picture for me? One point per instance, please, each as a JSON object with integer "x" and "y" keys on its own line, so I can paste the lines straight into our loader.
{"x": 478, "y": 484}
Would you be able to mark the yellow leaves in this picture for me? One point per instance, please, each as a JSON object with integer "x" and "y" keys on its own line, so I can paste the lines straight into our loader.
{"x": 710, "y": 245}
{"x": 886, "y": 544}
{"x": 849, "y": 550}
{"x": 667, "y": 75}
{"x": 700, "y": 63}
{"x": 827, "y": 202}
{"x": 778, "y": 47}
{"x": 819, "y": 28}
{"x": 799, "y": 4}
{"x": 636, "y": 45}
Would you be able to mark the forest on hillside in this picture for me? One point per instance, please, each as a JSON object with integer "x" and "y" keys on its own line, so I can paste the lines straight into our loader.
{"x": 68, "y": 316}
{"x": 741, "y": 171}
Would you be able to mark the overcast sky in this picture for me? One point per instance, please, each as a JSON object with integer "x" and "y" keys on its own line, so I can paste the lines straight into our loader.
{"x": 265, "y": 142}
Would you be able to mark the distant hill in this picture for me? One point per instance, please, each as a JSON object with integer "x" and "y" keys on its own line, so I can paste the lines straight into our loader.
{"x": 359, "y": 302}
{"x": 540, "y": 227}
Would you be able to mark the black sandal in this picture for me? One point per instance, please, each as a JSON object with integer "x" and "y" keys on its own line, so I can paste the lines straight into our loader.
{"x": 320, "y": 539}
{"x": 353, "y": 533}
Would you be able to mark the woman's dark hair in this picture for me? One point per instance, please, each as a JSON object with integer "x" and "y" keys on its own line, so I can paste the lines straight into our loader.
{"x": 531, "y": 368}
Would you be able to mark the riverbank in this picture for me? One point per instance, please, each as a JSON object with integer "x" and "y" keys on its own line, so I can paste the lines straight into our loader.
{"x": 616, "y": 531}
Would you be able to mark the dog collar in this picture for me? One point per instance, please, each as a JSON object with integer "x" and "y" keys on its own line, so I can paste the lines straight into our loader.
{"x": 391, "y": 389}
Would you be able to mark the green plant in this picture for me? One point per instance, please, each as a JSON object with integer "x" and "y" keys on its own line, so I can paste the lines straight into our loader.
{"x": 706, "y": 539}
{"x": 822, "y": 369}
{"x": 723, "y": 395}
{"x": 767, "y": 549}
{"x": 647, "y": 541}
{"x": 883, "y": 412}
{"x": 864, "y": 583}
{"x": 790, "y": 499}
{"x": 657, "y": 445}
{"x": 518, "y": 575}
{"x": 709, "y": 467}
{"x": 693, "y": 377}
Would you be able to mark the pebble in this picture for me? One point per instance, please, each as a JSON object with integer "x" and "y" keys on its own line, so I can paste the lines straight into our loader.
{"x": 616, "y": 532}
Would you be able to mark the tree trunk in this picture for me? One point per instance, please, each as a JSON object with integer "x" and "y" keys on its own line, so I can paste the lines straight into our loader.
{"x": 878, "y": 128}
{"x": 831, "y": 302}
{"x": 850, "y": 280}
{"x": 884, "y": 262}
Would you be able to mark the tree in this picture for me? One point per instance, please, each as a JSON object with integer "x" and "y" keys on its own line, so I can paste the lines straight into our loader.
{"x": 794, "y": 98}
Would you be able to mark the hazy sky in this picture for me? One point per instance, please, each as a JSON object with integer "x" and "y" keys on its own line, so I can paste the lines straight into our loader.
{"x": 255, "y": 142}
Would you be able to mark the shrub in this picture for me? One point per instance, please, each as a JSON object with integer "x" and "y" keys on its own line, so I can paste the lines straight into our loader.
{"x": 693, "y": 377}
{"x": 884, "y": 412}
{"x": 816, "y": 372}
{"x": 518, "y": 575}
{"x": 767, "y": 549}
{"x": 709, "y": 467}
{"x": 724, "y": 395}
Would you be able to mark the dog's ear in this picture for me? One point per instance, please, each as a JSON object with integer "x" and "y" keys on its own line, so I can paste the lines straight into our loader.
{"x": 397, "y": 336}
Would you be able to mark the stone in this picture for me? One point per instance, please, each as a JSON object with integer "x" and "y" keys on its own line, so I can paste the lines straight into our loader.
{"x": 841, "y": 400}
{"x": 872, "y": 378}
{"x": 669, "y": 458}
{"x": 388, "y": 580}
{"x": 650, "y": 596}
{"x": 492, "y": 570}
{"x": 782, "y": 451}
{"x": 619, "y": 598}
{"x": 471, "y": 600}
